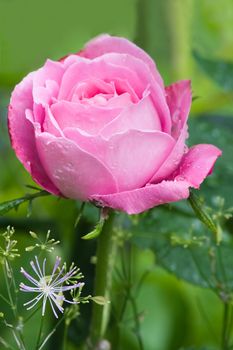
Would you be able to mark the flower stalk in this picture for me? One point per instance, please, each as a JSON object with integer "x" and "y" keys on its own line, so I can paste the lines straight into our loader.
{"x": 106, "y": 252}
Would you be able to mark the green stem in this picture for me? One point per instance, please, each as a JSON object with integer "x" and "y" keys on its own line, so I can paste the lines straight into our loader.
{"x": 65, "y": 336}
{"x": 5, "y": 299}
{"x": 32, "y": 314}
{"x": 5, "y": 207}
{"x": 106, "y": 251}
{"x": 230, "y": 324}
{"x": 9, "y": 291}
{"x": 178, "y": 19}
{"x": 202, "y": 215}
{"x": 137, "y": 322}
{"x": 46, "y": 339}
{"x": 224, "y": 339}
{"x": 12, "y": 304}
{"x": 40, "y": 333}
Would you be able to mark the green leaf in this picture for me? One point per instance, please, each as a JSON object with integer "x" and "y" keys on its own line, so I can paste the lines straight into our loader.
{"x": 220, "y": 71}
{"x": 5, "y": 207}
{"x": 96, "y": 232}
{"x": 80, "y": 214}
{"x": 170, "y": 230}
{"x": 194, "y": 258}
{"x": 201, "y": 213}
{"x": 9, "y": 205}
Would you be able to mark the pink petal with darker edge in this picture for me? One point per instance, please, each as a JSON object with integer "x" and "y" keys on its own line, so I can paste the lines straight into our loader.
{"x": 22, "y": 133}
{"x": 179, "y": 98}
{"x": 195, "y": 167}
{"x": 197, "y": 164}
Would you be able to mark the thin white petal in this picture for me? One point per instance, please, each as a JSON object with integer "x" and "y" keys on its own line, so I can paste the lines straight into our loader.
{"x": 29, "y": 277}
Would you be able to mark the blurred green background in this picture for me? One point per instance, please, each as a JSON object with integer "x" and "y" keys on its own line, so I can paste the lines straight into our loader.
{"x": 189, "y": 39}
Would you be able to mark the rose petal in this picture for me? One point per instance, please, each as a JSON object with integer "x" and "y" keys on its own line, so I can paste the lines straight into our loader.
{"x": 139, "y": 200}
{"x": 179, "y": 98}
{"x": 90, "y": 118}
{"x": 119, "y": 101}
{"x": 122, "y": 86}
{"x": 119, "y": 66}
{"x": 46, "y": 82}
{"x": 43, "y": 94}
{"x": 195, "y": 166}
{"x": 132, "y": 157}
{"x": 158, "y": 95}
{"x": 76, "y": 173}
{"x": 51, "y": 70}
{"x": 141, "y": 116}
{"x": 90, "y": 88}
{"x": 22, "y": 133}
{"x": 98, "y": 69}
{"x": 50, "y": 124}
{"x": 106, "y": 44}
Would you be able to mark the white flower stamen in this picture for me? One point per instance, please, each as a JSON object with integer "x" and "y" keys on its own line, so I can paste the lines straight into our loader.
{"x": 49, "y": 287}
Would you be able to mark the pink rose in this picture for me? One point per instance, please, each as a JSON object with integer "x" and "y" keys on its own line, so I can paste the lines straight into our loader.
{"x": 100, "y": 126}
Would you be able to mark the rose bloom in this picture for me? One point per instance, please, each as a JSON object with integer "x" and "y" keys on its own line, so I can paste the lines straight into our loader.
{"x": 100, "y": 126}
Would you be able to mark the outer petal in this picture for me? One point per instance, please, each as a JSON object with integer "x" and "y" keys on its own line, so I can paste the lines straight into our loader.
{"x": 179, "y": 99}
{"x": 106, "y": 44}
{"x": 22, "y": 133}
{"x": 132, "y": 157}
{"x": 196, "y": 165}
{"x": 46, "y": 82}
{"x": 139, "y": 200}
{"x": 76, "y": 173}
{"x": 51, "y": 70}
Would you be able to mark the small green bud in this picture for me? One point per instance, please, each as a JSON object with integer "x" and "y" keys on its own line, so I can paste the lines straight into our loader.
{"x": 30, "y": 248}
{"x": 100, "y": 300}
{"x": 1, "y": 314}
{"x": 33, "y": 234}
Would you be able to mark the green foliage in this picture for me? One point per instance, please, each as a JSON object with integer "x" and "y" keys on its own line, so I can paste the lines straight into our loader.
{"x": 196, "y": 259}
{"x": 104, "y": 214}
{"x": 96, "y": 232}
{"x": 202, "y": 215}
{"x": 46, "y": 245}
{"x": 182, "y": 244}
{"x": 195, "y": 348}
{"x": 5, "y": 207}
{"x": 219, "y": 70}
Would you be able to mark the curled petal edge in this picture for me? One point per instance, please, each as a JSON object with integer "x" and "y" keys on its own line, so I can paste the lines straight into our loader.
{"x": 196, "y": 165}
{"x": 22, "y": 135}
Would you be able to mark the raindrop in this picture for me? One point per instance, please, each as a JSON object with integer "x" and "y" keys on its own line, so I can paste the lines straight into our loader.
{"x": 175, "y": 117}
